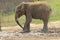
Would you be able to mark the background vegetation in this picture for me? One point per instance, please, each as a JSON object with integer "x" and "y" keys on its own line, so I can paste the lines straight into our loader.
{"x": 7, "y": 12}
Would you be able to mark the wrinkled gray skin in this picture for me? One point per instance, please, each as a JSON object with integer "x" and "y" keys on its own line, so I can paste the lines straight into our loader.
{"x": 36, "y": 11}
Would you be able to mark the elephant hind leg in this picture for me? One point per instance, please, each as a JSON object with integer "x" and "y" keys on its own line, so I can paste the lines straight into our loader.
{"x": 45, "y": 26}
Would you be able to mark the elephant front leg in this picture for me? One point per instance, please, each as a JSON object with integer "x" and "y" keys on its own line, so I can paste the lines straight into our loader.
{"x": 26, "y": 27}
{"x": 27, "y": 24}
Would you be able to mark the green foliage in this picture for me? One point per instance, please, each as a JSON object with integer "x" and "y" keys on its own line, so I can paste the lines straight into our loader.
{"x": 8, "y": 20}
{"x": 55, "y": 10}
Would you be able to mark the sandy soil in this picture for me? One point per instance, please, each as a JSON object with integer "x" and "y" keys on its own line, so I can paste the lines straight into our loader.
{"x": 13, "y": 33}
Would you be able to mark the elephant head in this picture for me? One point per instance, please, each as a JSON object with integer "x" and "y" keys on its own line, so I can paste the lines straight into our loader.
{"x": 19, "y": 12}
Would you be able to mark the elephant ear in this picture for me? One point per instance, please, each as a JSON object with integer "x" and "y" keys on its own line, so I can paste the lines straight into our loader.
{"x": 22, "y": 7}
{"x": 19, "y": 7}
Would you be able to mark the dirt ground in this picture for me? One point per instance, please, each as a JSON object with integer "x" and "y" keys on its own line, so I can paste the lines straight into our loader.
{"x": 13, "y": 33}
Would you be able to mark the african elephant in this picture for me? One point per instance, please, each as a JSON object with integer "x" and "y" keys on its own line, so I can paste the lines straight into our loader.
{"x": 37, "y": 10}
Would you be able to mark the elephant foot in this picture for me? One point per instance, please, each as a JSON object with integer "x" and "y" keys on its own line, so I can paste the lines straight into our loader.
{"x": 26, "y": 31}
{"x": 45, "y": 30}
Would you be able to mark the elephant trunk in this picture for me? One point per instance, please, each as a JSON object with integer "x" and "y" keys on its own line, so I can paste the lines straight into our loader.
{"x": 18, "y": 22}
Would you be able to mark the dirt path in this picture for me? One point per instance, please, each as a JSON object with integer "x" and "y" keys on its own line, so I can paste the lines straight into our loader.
{"x": 53, "y": 25}
{"x": 13, "y": 33}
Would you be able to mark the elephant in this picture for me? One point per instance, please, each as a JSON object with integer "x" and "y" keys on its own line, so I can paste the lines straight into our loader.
{"x": 36, "y": 10}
